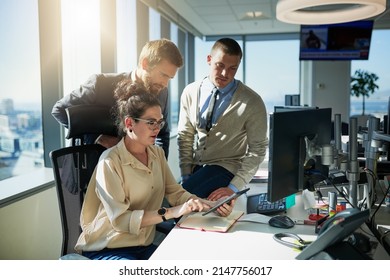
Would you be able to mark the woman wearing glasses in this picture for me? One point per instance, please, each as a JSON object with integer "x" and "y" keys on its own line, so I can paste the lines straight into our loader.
{"x": 123, "y": 201}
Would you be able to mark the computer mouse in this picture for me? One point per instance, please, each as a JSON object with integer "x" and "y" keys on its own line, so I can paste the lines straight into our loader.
{"x": 281, "y": 221}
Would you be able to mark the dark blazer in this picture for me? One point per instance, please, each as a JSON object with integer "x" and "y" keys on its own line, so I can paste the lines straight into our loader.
{"x": 99, "y": 90}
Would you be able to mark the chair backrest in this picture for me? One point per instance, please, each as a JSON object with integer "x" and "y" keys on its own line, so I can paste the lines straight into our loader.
{"x": 89, "y": 119}
{"x": 73, "y": 168}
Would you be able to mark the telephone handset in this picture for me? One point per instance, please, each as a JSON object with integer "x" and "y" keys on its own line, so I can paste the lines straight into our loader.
{"x": 337, "y": 218}
{"x": 335, "y": 230}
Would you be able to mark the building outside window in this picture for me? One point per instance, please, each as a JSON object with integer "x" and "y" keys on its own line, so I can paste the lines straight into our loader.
{"x": 21, "y": 148}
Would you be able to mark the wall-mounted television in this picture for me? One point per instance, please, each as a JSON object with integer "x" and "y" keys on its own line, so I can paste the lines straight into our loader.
{"x": 343, "y": 41}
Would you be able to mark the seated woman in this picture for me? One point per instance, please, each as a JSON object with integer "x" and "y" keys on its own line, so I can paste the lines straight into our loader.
{"x": 124, "y": 196}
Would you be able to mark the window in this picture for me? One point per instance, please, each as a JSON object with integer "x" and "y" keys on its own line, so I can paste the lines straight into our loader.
{"x": 272, "y": 71}
{"x": 126, "y": 35}
{"x": 21, "y": 148}
{"x": 154, "y": 25}
{"x": 174, "y": 86}
{"x": 377, "y": 63}
{"x": 80, "y": 41}
{"x": 203, "y": 49}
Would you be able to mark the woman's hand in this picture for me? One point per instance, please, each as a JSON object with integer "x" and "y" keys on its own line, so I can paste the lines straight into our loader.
{"x": 192, "y": 205}
{"x": 202, "y": 205}
{"x": 225, "y": 209}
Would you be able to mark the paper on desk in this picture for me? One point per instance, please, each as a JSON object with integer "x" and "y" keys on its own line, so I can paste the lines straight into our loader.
{"x": 254, "y": 218}
{"x": 308, "y": 199}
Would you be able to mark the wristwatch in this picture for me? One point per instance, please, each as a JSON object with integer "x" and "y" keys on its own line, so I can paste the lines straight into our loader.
{"x": 162, "y": 211}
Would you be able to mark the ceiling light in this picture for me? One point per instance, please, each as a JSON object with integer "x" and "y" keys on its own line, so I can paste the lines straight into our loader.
{"x": 253, "y": 15}
{"x": 327, "y": 11}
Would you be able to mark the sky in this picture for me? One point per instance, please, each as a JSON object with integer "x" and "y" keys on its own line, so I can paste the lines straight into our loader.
{"x": 19, "y": 50}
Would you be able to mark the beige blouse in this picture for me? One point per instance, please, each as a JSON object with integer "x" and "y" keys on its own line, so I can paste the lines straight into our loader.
{"x": 119, "y": 192}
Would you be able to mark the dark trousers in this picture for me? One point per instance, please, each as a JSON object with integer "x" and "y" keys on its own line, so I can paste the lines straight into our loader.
{"x": 128, "y": 253}
{"x": 206, "y": 179}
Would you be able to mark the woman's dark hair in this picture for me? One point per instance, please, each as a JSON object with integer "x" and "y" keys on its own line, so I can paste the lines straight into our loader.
{"x": 132, "y": 100}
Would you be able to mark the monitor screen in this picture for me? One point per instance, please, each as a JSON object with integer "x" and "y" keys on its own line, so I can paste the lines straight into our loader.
{"x": 290, "y": 170}
{"x": 344, "y": 41}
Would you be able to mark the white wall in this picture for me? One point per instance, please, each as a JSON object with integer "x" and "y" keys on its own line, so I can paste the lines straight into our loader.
{"x": 327, "y": 84}
{"x": 30, "y": 229}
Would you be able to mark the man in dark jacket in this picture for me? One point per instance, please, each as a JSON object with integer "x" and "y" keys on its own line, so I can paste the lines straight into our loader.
{"x": 158, "y": 64}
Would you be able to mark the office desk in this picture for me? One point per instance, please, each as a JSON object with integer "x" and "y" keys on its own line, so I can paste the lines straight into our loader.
{"x": 244, "y": 241}
{"x": 239, "y": 243}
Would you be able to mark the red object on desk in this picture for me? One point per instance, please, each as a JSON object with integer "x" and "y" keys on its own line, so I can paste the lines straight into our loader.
{"x": 316, "y": 217}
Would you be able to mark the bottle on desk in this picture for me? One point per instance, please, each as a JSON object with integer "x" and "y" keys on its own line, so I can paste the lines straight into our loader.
{"x": 332, "y": 203}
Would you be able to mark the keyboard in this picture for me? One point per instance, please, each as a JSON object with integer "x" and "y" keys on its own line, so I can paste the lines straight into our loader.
{"x": 259, "y": 204}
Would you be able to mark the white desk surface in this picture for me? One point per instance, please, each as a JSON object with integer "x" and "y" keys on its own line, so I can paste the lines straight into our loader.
{"x": 244, "y": 241}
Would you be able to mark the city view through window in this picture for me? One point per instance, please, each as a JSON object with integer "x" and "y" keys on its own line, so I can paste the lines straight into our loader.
{"x": 21, "y": 146}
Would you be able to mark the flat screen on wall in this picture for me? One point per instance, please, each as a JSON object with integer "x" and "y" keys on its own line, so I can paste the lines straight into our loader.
{"x": 344, "y": 41}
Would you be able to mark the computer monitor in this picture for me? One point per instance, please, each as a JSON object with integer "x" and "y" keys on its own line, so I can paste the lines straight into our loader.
{"x": 293, "y": 136}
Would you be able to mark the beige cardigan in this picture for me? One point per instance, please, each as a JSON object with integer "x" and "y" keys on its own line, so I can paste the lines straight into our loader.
{"x": 237, "y": 142}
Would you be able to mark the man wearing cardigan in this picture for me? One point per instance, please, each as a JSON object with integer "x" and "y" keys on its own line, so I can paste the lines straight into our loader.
{"x": 217, "y": 161}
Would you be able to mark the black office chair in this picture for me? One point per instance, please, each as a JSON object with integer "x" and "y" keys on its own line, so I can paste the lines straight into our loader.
{"x": 73, "y": 168}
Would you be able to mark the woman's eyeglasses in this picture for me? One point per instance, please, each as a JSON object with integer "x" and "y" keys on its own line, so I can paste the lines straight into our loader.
{"x": 153, "y": 124}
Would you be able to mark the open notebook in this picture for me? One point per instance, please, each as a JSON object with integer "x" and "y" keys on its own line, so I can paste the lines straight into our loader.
{"x": 210, "y": 222}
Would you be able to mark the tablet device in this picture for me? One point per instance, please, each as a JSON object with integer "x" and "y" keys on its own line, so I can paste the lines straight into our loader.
{"x": 226, "y": 200}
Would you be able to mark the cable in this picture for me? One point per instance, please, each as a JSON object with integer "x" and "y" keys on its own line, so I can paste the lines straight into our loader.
{"x": 328, "y": 180}
{"x": 375, "y": 181}
{"x": 340, "y": 192}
